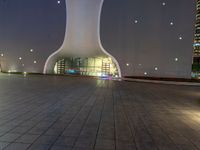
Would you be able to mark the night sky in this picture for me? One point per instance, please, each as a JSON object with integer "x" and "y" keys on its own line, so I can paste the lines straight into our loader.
{"x": 143, "y": 33}
{"x": 30, "y": 24}
{"x": 152, "y": 41}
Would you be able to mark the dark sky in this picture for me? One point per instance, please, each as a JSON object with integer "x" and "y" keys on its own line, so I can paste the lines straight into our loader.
{"x": 152, "y": 41}
{"x": 40, "y": 25}
{"x": 30, "y": 24}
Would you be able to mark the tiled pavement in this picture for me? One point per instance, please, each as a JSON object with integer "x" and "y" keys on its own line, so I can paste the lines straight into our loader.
{"x": 64, "y": 113}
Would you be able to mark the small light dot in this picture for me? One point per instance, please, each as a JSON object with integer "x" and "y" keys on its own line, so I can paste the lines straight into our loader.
{"x": 163, "y": 3}
{"x": 136, "y": 21}
{"x": 145, "y": 73}
{"x": 31, "y": 50}
{"x": 2, "y": 55}
{"x": 20, "y": 58}
{"x": 171, "y": 23}
{"x": 34, "y": 61}
{"x": 180, "y": 38}
{"x": 58, "y": 2}
{"x": 127, "y": 64}
{"x": 156, "y": 68}
{"x": 176, "y": 59}
{"x": 23, "y": 65}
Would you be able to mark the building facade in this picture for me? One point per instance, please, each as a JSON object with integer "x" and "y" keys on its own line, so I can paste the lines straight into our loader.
{"x": 196, "y": 55}
{"x": 82, "y": 52}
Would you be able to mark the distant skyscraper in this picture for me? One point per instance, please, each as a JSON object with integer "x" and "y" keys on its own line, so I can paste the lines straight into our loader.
{"x": 196, "y": 59}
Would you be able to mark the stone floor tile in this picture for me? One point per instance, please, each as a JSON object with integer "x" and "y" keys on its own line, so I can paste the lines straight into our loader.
{"x": 17, "y": 146}
{"x": 9, "y": 137}
{"x": 46, "y": 140}
{"x": 61, "y": 148}
{"x": 65, "y": 141}
{"x": 3, "y": 145}
{"x": 39, "y": 147}
{"x": 83, "y": 113}
{"x": 27, "y": 138}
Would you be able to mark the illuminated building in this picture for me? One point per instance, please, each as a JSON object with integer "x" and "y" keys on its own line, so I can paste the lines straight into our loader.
{"x": 82, "y": 52}
{"x": 196, "y": 56}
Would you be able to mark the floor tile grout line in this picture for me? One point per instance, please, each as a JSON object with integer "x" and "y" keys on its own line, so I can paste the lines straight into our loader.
{"x": 84, "y": 124}
{"x": 159, "y": 127}
{"x": 34, "y": 125}
{"x": 147, "y": 131}
{"x": 88, "y": 98}
{"x": 128, "y": 120}
{"x": 164, "y": 101}
{"x": 114, "y": 120}
{"x": 95, "y": 141}
{"x": 44, "y": 132}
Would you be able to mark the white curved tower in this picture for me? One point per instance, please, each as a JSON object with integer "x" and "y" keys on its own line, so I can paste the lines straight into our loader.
{"x": 82, "y": 35}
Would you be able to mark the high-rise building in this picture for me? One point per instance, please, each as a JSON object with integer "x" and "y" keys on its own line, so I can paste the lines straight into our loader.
{"x": 196, "y": 56}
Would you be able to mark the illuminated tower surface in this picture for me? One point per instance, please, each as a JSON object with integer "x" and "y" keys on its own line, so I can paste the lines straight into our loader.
{"x": 196, "y": 45}
{"x": 197, "y": 31}
{"x": 82, "y": 35}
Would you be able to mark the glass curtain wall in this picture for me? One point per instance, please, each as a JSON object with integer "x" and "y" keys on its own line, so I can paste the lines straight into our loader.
{"x": 97, "y": 66}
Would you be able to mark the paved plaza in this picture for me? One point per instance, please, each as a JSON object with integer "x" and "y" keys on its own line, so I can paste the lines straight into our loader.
{"x": 65, "y": 113}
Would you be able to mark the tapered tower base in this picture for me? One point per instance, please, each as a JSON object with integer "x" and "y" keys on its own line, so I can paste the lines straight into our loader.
{"x": 82, "y": 52}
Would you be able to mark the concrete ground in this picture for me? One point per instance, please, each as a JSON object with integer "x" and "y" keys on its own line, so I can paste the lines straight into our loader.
{"x": 64, "y": 113}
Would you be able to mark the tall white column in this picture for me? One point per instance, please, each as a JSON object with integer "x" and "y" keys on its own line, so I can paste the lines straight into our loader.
{"x": 82, "y": 35}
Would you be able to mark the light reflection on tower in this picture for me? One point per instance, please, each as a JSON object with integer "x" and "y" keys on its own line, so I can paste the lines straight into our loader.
{"x": 196, "y": 54}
